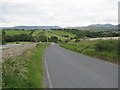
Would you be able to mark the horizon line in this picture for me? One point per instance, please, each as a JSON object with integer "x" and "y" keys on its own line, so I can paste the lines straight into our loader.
{"x": 62, "y": 26}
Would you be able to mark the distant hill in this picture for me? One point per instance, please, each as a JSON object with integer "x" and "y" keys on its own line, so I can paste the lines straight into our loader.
{"x": 90, "y": 27}
{"x": 97, "y": 27}
{"x": 32, "y": 27}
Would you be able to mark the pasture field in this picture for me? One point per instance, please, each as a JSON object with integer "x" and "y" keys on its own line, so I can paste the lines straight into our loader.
{"x": 18, "y": 42}
{"x": 62, "y": 33}
{"x": 52, "y": 34}
{"x": 16, "y": 32}
{"x": 37, "y": 32}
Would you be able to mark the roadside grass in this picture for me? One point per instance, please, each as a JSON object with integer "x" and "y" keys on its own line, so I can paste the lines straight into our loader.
{"x": 26, "y": 70}
{"x": 105, "y": 55}
{"x": 104, "y": 49}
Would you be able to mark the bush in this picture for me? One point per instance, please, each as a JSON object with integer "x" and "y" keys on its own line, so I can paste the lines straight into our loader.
{"x": 42, "y": 38}
{"x": 17, "y": 43}
{"x": 3, "y": 42}
{"x": 77, "y": 40}
{"x": 107, "y": 45}
{"x": 53, "y": 39}
{"x": 20, "y": 37}
{"x": 104, "y": 49}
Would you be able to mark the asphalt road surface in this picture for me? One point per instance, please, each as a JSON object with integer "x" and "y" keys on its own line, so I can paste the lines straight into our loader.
{"x": 67, "y": 69}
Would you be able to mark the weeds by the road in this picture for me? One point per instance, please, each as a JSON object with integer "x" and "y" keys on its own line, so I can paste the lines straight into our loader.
{"x": 24, "y": 71}
{"x": 103, "y": 49}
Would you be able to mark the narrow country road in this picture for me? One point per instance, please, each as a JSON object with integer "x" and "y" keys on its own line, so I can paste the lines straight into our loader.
{"x": 67, "y": 69}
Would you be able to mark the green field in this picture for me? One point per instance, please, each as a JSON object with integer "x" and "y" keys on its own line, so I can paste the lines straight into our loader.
{"x": 24, "y": 71}
{"x": 62, "y": 33}
{"x": 37, "y": 32}
{"x": 16, "y": 32}
{"x": 51, "y": 34}
{"x": 18, "y": 42}
{"x": 103, "y": 49}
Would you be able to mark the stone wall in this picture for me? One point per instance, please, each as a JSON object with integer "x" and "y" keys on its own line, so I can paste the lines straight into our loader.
{"x": 103, "y": 38}
{"x": 13, "y": 51}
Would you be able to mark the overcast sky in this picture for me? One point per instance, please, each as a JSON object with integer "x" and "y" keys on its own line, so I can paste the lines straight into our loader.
{"x": 58, "y": 12}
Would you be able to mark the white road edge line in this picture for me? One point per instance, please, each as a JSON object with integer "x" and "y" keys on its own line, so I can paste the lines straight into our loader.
{"x": 48, "y": 76}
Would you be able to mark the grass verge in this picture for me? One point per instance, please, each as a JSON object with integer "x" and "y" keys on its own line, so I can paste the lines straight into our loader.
{"x": 107, "y": 50}
{"x": 24, "y": 71}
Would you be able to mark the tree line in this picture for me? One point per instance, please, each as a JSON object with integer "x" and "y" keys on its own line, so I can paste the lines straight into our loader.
{"x": 28, "y": 38}
{"x": 92, "y": 34}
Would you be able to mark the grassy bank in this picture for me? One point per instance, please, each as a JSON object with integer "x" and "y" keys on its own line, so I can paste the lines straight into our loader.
{"x": 24, "y": 71}
{"x": 104, "y": 49}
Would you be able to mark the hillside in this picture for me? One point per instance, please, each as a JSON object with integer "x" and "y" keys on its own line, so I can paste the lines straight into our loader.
{"x": 32, "y": 27}
{"x": 90, "y": 27}
{"x": 96, "y": 27}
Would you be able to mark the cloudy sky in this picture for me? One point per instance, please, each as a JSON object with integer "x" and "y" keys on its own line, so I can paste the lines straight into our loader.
{"x": 58, "y": 12}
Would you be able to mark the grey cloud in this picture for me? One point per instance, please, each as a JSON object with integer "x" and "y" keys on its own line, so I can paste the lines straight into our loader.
{"x": 59, "y": 12}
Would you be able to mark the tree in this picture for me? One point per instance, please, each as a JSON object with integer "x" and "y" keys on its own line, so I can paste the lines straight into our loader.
{"x": 3, "y": 33}
{"x": 77, "y": 40}
{"x": 54, "y": 39}
{"x": 42, "y": 38}
{"x": 2, "y": 38}
{"x": 32, "y": 31}
{"x": 20, "y": 37}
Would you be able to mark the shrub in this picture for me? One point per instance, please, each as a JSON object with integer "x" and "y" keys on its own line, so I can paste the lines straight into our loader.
{"x": 3, "y": 42}
{"x": 107, "y": 45}
{"x": 54, "y": 39}
{"x": 41, "y": 38}
{"x": 20, "y": 37}
{"x": 77, "y": 40}
{"x": 17, "y": 43}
